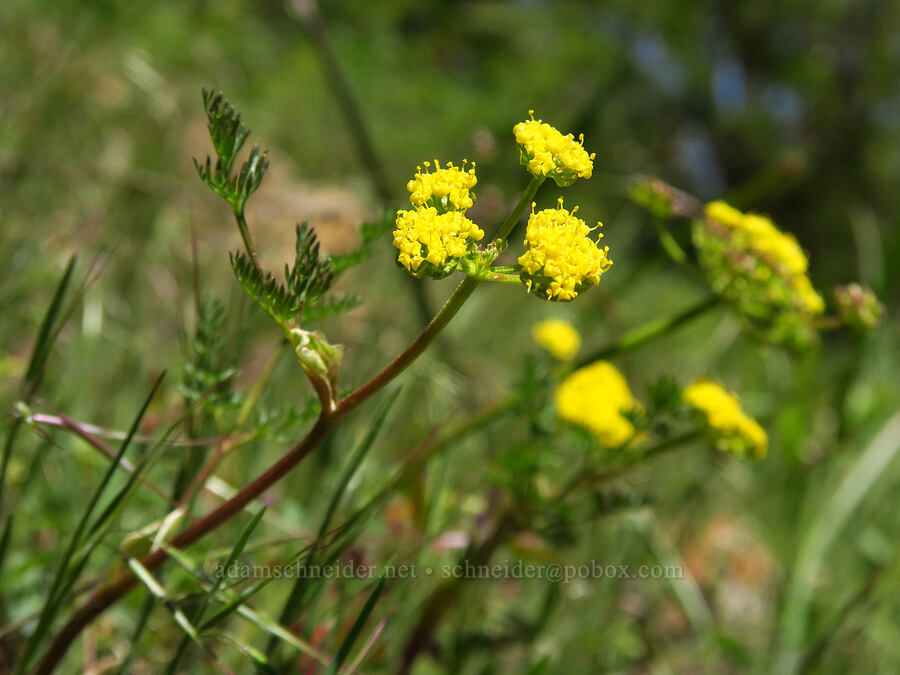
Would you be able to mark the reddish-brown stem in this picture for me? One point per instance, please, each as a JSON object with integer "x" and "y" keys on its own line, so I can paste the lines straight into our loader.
{"x": 411, "y": 353}
{"x": 109, "y": 593}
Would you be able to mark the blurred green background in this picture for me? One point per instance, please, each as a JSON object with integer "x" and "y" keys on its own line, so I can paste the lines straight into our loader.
{"x": 790, "y": 108}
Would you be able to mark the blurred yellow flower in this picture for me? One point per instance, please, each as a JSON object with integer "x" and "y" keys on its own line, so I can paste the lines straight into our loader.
{"x": 736, "y": 431}
{"x": 546, "y": 152}
{"x": 561, "y": 260}
{"x": 595, "y": 397}
{"x": 779, "y": 250}
{"x": 426, "y": 236}
{"x": 760, "y": 269}
{"x": 558, "y": 337}
{"x": 446, "y": 189}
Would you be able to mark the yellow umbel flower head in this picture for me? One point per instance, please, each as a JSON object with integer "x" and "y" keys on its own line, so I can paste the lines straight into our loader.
{"x": 546, "y": 152}
{"x": 446, "y": 189}
{"x": 734, "y": 431}
{"x": 561, "y": 260}
{"x": 595, "y": 397}
{"x": 558, "y": 337}
{"x": 431, "y": 243}
{"x": 761, "y": 269}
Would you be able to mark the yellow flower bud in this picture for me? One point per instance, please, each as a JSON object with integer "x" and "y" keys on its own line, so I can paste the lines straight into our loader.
{"x": 595, "y": 397}
{"x": 558, "y": 337}
{"x": 735, "y": 431}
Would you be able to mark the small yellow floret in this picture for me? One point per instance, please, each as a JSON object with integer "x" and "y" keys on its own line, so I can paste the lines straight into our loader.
{"x": 725, "y": 417}
{"x": 424, "y": 235}
{"x": 447, "y": 188}
{"x": 546, "y": 152}
{"x": 810, "y": 300}
{"x": 760, "y": 235}
{"x": 558, "y": 337}
{"x": 595, "y": 397}
{"x": 560, "y": 250}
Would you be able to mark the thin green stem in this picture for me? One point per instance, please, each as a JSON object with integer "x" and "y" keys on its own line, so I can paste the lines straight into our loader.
{"x": 441, "y": 319}
{"x": 411, "y": 353}
{"x": 611, "y": 471}
{"x": 245, "y": 235}
{"x": 667, "y": 241}
{"x": 499, "y": 277}
{"x": 527, "y": 198}
{"x": 650, "y": 331}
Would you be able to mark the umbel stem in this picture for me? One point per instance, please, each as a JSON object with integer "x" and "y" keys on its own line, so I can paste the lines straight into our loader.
{"x": 650, "y": 331}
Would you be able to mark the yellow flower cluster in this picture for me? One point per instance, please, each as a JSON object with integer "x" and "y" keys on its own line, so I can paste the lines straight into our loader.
{"x": 546, "y": 152}
{"x": 431, "y": 239}
{"x": 779, "y": 250}
{"x": 595, "y": 397}
{"x": 558, "y": 337}
{"x": 736, "y": 431}
{"x": 446, "y": 189}
{"x": 424, "y": 235}
{"x": 561, "y": 260}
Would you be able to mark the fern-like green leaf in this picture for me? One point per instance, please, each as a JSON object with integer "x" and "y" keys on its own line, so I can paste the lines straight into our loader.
{"x": 228, "y": 135}
{"x": 266, "y": 291}
{"x": 226, "y": 130}
{"x": 310, "y": 276}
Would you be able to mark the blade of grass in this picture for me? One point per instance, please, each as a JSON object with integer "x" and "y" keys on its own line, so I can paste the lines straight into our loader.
{"x": 356, "y": 629}
{"x": 262, "y": 621}
{"x": 47, "y": 331}
{"x": 376, "y": 633}
{"x": 62, "y": 580}
{"x": 685, "y": 588}
{"x": 356, "y": 461}
{"x": 36, "y": 364}
{"x": 830, "y": 521}
{"x": 216, "y": 585}
{"x": 300, "y": 591}
{"x": 146, "y": 578}
{"x": 4, "y": 541}
{"x": 248, "y": 650}
{"x": 146, "y": 610}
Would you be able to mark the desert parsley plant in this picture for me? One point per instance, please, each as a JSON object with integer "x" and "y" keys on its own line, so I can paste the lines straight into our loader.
{"x": 585, "y": 423}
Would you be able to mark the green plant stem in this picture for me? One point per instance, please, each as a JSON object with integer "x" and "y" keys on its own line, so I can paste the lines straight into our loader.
{"x": 411, "y": 353}
{"x": 437, "y": 324}
{"x": 612, "y": 471}
{"x": 111, "y": 592}
{"x": 245, "y": 235}
{"x": 513, "y": 218}
{"x": 311, "y": 18}
{"x": 499, "y": 277}
{"x": 650, "y": 331}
